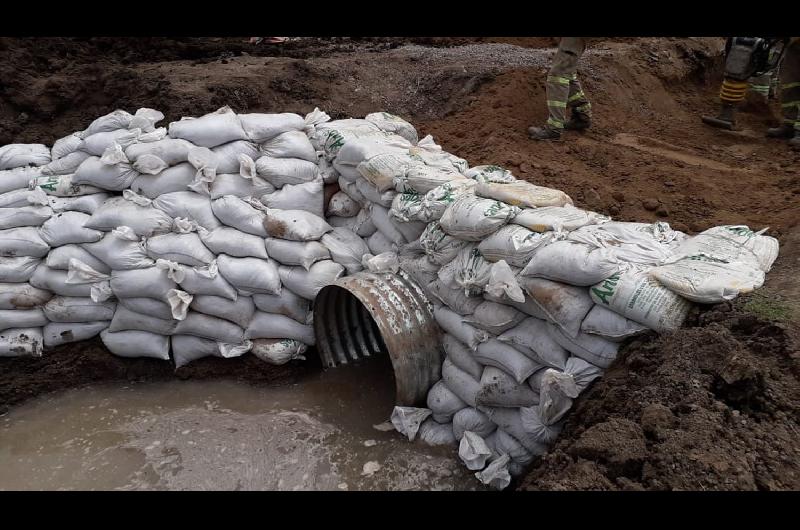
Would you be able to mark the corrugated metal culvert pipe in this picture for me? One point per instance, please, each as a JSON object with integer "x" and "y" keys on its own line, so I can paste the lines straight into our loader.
{"x": 376, "y": 314}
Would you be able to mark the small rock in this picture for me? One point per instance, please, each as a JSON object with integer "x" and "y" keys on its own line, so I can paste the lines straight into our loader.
{"x": 662, "y": 212}
{"x": 370, "y": 468}
{"x": 650, "y": 204}
{"x": 370, "y": 443}
{"x": 613, "y": 210}
{"x": 669, "y": 184}
{"x": 618, "y": 196}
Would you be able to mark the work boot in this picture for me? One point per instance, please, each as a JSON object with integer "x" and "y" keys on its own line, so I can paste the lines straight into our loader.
{"x": 795, "y": 142}
{"x": 543, "y": 133}
{"x": 783, "y": 131}
{"x": 578, "y": 122}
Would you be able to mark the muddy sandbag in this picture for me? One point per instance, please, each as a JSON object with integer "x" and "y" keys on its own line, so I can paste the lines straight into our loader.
{"x": 286, "y": 303}
{"x": 24, "y": 216}
{"x": 233, "y": 242}
{"x": 188, "y": 348}
{"x": 515, "y": 244}
{"x": 573, "y": 263}
{"x": 592, "y": 348}
{"x": 495, "y": 318}
{"x": 188, "y": 205}
{"x": 58, "y": 333}
{"x": 18, "y": 179}
{"x": 199, "y": 280}
{"x": 187, "y": 249}
{"x": 638, "y": 297}
{"x": 605, "y": 323}
{"x": 472, "y": 218}
{"x": 86, "y": 203}
{"x": 272, "y": 326}
{"x": 455, "y": 299}
{"x": 66, "y": 165}
{"x": 119, "y": 249}
{"x": 148, "y": 306}
{"x": 238, "y": 311}
{"x": 144, "y": 220}
{"x": 213, "y": 129}
{"x": 18, "y": 155}
{"x": 250, "y": 275}
{"x": 307, "y": 283}
{"x": 136, "y": 344}
{"x": 555, "y": 218}
{"x": 278, "y": 351}
{"x": 56, "y": 281}
{"x": 25, "y": 342}
{"x": 434, "y": 433}
{"x": 342, "y": 205}
{"x": 460, "y": 382}
{"x": 521, "y": 193}
{"x": 562, "y": 304}
{"x": 282, "y": 171}
{"x": 206, "y": 326}
{"x": 531, "y": 338}
{"x": 261, "y": 127}
{"x": 68, "y": 228}
{"x": 498, "y": 389}
{"x": 509, "y": 420}
{"x": 168, "y": 180}
{"x": 22, "y": 241}
{"x": 306, "y": 196}
{"x": 507, "y": 358}
{"x": 708, "y": 280}
{"x": 17, "y": 269}
{"x": 454, "y": 324}
{"x": 300, "y": 253}
{"x": 78, "y": 309}
{"x": 440, "y": 247}
{"x": 294, "y": 225}
{"x": 443, "y": 402}
{"x": 239, "y": 214}
{"x": 473, "y": 420}
{"x": 345, "y": 248}
{"x": 460, "y": 355}
{"x": 364, "y": 226}
{"x": 22, "y": 318}
{"x": 22, "y": 296}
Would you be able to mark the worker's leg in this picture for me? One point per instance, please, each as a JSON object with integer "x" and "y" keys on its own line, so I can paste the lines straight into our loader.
{"x": 760, "y": 84}
{"x": 790, "y": 95}
{"x": 561, "y": 74}
{"x": 579, "y": 103}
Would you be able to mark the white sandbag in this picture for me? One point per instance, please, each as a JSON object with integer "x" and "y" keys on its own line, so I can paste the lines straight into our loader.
{"x": 118, "y": 211}
{"x": 187, "y": 249}
{"x": 250, "y": 275}
{"x": 503, "y": 282}
{"x": 307, "y": 196}
{"x": 573, "y": 263}
{"x": 635, "y": 295}
{"x": 406, "y": 420}
{"x": 171, "y": 151}
{"x": 22, "y": 318}
{"x": 423, "y": 178}
{"x": 294, "y": 225}
{"x": 498, "y": 389}
{"x": 342, "y": 205}
{"x": 151, "y": 282}
{"x": 557, "y": 392}
{"x": 357, "y": 150}
{"x": 22, "y": 296}
{"x": 68, "y": 228}
{"x": 379, "y": 243}
{"x": 213, "y": 129}
{"x": 434, "y": 433}
{"x": 78, "y": 309}
{"x": 708, "y": 280}
{"x": 66, "y": 165}
{"x": 22, "y": 241}
{"x": 455, "y": 299}
{"x": 119, "y": 249}
{"x": 443, "y": 402}
{"x": 407, "y": 207}
{"x": 97, "y": 143}
{"x": 592, "y": 348}
{"x": 732, "y": 243}
{"x": 509, "y": 420}
{"x": 238, "y": 311}
{"x": 272, "y": 326}
{"x": 226, "y": 156}
{"x": 490, "y": 173}
{"x": 286, "y": 303}
{"x": 226, "y": 240}
{"x": 168, "y": 180}
{"x": 345, "y": 248}
{"x": 470, "y": 270}
{"x": 188, "y": 205}
{"x": 118, "y": 119}
{"x": 199, "y": 280}
{"x": 531, "y": 338}
{"x": 534, "y": 425}
{"x": 349, "y": 188}
{"x": 17, "y": 269}
{"x": 460, "y": 382}
{"x": 239, "y": 186}
{"x": 282, "y": 171}
{"x": 470, "y": 419}
{"x": 436, "y": 201}
{"x": 58, "y": 333}
{"x": 18, "y": 155}
{"x": 555, "y": 218}
{"x": 23, "y": 197}
{"x": 125, "y": 320}
{"x": 94, "y": 172}
{"x": 471, "y": 218}
{"x": 515, "y": 244}
{"x": 562, "y": 304}
{"x": 290, "y": 144}
{"x": 371, "y": 194}
{"x": 136, "y": 344}
{"x": 18, "y": 179}
{"x": 521, "y": 193}
{"x": 24, "y": 216}
{"x": 605, "y": 323}
{"x": 148, "y": 306}
{"x": 61, "y": 186}
{"x": 66, "y": 145}
{"x": 86, "y": 203}
{"x": 206, "y": 326}
{"x": 454, "y": 324}
{"x": 507, "y": 358}
{"x": 332, "y": 136}
{"x": 279, "y": 351}
{"x": 25, "y": 342}
{"x": 473, "y": 451}
{"x": 440, "y": 247}
{"x": 239, "y": 214}
{"x": 393, "y": 124}
{"x": 262, "y": 127}
{"x": 300, "y": 253}
{"x": 643, "y": 243}
{"x": 495, "y": 318}
{"x": 307, "y": 283}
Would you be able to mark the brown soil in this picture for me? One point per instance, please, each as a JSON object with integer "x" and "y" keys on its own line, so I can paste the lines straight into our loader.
{"x": 712, "y": 406}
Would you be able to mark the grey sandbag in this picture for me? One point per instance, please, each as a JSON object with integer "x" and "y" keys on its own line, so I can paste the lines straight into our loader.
{"x": 17, "y": 269}
{"x": 22, "y": 296}
{"x": 443, "y": 402}
{"x": 592, "y": 348}
{"x": 507, "y": 358}
{"x": 23, "y": 241}
{"x": 294, "y": 225}
{"x": 145, "y": 221}
{"x": 471, "y": 419}
{"x": 346, "y": 248}
{"x": 58, "y": 258}
{"x": 56, "y": 281}
{"x": 495, "y": 318}
{"x": 610, "y": 325}
{"x": 533, "y": 425}
{"x": 564, "y": 305}
{"x": 460, "y": 382}
{"x": 531, "y": 337}
{"x": 250, "y": 275}
{"x": 32, "y": 215}
{"x": 187, "y": 249}
{"x": 307, "y": 283}
{"x": 238, "y": 311}
{"x": 233, "y": 242}
{"x": 455, "y": 299}
{"x": 286, "y": 303}
{"x": 78, "y": 309}
{"x": 68, "y": 228}
{"x": 152, "y": 282}
{"x": 148, "y": 306}
{"x": 271, "y": 326}
{"x": 299, "y": 253}
{"x": 58, "y": 333}
{"x": 434, "y": 433}
{"x": 510, "y": 421}
{"x": 171, "y": 179}
{"x": 461, "y": 356}
{"x": 209, "y": 327}
{"x": 120, "y": 250}
{"x": 136, "y": 344}
{"x": 498, "y": 389}
{"x": 453, "y": 324}
{"x": 188, "y": 205}
{"x": 127, "y": 320}
{"x": 19, "y": 342}
{"x": 22, "y": 318}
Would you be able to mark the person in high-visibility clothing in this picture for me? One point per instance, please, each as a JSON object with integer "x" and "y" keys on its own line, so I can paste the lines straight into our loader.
{"x": 564, "y": 92}
{"x": 790, "y": 95}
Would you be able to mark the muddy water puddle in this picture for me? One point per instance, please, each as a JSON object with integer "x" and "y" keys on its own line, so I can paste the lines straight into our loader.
{"x": 223, "y": 435}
